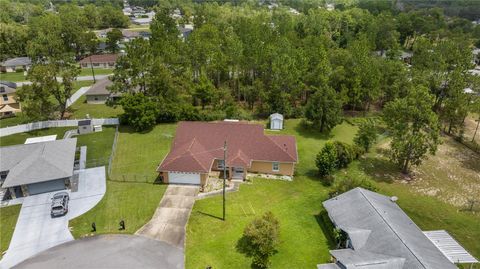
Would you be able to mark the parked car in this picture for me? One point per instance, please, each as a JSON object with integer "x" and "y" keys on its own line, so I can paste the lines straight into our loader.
{"x": 60, "y": 204}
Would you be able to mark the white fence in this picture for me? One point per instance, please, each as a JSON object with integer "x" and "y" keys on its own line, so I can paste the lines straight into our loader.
{"x": 52, "y": 124}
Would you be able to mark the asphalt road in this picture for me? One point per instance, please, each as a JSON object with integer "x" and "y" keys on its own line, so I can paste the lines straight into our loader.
{"x": 109, "y": 251}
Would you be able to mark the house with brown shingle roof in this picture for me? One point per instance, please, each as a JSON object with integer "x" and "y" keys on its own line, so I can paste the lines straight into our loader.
{"x": 197, "y": 150}
{"x": 99, "y": 61}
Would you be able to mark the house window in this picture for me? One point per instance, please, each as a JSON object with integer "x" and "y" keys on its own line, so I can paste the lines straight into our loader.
{"x": 96, "y": 99}
{"x": 220, "y": 164}
{"x": 96, "y": 64}
{"x": 275, "y": 167}
{"x": 5, "y": 97}
{"x": 2, "y": 89}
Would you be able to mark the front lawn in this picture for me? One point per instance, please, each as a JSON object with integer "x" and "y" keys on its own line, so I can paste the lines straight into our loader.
{"x": 13, "y": 76}
{"x": 131, "y": 192}
{"x": 8, "y": 220}
{"x": 97, "y": 71}
{"x": 132, "y": 202}
{"x": 297, "y": 204}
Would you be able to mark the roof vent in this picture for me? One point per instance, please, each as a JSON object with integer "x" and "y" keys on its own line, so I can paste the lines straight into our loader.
{"x": 394, "y": 199}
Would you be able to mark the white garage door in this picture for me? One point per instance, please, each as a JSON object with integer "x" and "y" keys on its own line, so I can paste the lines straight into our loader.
{"x": 183, "y": 178}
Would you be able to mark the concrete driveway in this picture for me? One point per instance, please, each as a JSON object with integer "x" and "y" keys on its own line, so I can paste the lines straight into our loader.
{"x": 169, "y": 222}
{"x": 109, "y": 251}
{"x": 36, "y": 231}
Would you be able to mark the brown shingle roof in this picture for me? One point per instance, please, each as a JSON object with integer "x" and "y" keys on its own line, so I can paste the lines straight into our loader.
{"x": 100, "y": 58}
{"x": 197, "y": 144}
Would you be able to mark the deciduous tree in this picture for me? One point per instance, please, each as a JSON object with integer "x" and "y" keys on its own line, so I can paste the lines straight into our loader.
{"x": 413, "y": 127}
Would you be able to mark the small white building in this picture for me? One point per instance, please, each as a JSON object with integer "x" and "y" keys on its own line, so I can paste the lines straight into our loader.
{"x": 276, "y": 121}
{"x": 85, "y": 126}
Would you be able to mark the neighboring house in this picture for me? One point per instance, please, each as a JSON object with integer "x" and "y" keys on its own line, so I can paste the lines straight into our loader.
{"x": 129, "y": 35}
{"x": 15, "y": 64}
{"x": 379, "y": 235}
{"x": 185, "y": 31}
{"x": 198, "y": 149}
{"x": 99, "y": 94}
{"x": 9, "y": 105}
{"x": 30, "y": 169}
{"x": 276, "y": 121}
{"x": 99, "y": 61}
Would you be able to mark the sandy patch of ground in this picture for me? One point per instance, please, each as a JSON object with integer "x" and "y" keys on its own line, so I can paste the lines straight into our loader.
{"x": 452, "y": 174}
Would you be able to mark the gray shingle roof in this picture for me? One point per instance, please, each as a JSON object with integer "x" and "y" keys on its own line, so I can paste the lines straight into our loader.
{"x": 38, "y": 162}
{"x": 17, "y": 61}
{"x": 8, "y": 87}
{"x": 381, "y": 230}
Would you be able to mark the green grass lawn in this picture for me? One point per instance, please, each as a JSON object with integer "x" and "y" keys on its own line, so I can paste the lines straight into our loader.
{"x": 136, "y": 158}
{"x": 9, "y": 216}
{"x": 13, "y": 76}
{"x": 21, "y": 137}
{"x": 132, "y": 202}
{"x": 80, "y": 108}
{"x": 97, "y": 71}
{"x": 297, "y": 205}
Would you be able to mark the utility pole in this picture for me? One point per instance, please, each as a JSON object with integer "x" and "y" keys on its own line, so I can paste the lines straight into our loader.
{"x": 91, "y": 66}
{"x": 224, "y": 174}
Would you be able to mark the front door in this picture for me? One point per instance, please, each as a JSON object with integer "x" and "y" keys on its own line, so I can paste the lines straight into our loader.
{"x": 237, "y": 172}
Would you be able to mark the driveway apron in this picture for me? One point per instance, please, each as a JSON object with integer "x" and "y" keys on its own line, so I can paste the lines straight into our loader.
{"x": 169, "y": 222}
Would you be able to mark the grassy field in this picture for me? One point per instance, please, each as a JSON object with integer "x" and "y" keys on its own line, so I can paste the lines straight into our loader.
{"x": 9, "y": 216}
{"x": 136, "y": 158}
{"x": 13, "y": 76}
{"x": 297, "y": 205}
{"x": 97, "y": 71}
{"x": 80, "y": 108}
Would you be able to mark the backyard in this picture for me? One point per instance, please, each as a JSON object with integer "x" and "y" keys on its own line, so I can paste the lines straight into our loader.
{"x": 297, "y": 205}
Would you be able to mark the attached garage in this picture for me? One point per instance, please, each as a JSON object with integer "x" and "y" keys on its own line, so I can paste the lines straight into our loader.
{"x": 47, "y": 186}
{"x": 184, "y": 178}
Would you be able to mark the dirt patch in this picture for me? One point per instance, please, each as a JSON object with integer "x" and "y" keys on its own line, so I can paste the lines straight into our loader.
{"x": 452, "y": 174}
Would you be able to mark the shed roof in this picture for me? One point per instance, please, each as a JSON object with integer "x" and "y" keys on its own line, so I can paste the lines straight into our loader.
{"x": 38, "y": 162}
{"x": 84, "y": 122}
{"x": 392, "y": 232}
{"x": 276, "y": 116}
